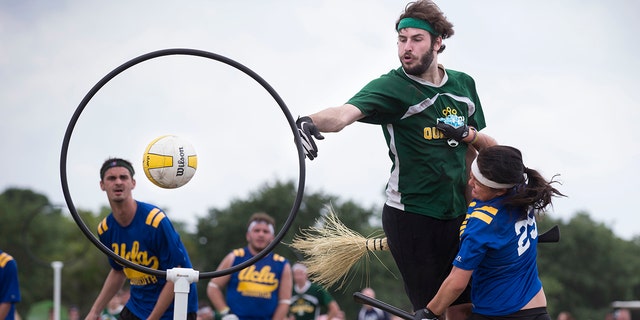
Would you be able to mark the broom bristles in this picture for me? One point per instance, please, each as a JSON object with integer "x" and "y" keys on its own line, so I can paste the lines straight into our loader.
{"x": 331, "y": 250}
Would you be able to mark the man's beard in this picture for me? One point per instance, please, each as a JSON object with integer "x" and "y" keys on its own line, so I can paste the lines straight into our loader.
{"x": 421, "y": 68}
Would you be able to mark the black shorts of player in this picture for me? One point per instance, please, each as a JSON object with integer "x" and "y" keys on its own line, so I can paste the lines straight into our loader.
{"x": 528, "y": 314}
{"x": 423, "y": 249}
{"x": 126, "y": 314}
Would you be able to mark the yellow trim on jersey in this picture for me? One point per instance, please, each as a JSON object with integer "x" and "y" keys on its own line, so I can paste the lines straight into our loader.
{"x": 102, "y": 226}
{"x": 4, "y": 259}
{"x": 486, "y": 214}
{"x": 238, "y": 252}
{"x": 489, "y": 209}
{"x": 154, "y": 217}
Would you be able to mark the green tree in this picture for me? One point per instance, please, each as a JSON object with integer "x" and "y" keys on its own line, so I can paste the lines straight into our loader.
{"x": 588, "y": 269}
{"x": 37, "y": 233}
{"x": 223, "y": 230}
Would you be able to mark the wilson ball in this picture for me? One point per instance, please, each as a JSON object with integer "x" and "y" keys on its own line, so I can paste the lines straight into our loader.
{"x": 169, "y": 161}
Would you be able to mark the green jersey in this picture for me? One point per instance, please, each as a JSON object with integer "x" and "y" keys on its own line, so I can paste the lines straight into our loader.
{"x": 428, "y": 172}
{"x": 307, "y": 301}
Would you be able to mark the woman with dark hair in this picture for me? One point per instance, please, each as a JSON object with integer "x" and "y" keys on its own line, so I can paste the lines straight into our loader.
{"x": 498, "y": 241}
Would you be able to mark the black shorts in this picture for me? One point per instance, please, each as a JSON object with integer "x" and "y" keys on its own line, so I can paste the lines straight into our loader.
{"x": 423, "y": 249}
{"x": 126, "y": 314}
{"x": 528, "y": 314}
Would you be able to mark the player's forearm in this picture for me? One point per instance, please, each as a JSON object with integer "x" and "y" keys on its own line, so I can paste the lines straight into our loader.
{"x": 449, "y": 291}
{"x": 216, "y": 297}
{"x": 281, "y": 312}
{"x": 336, "y": 118}
{"x": 4, "y": 309}
{"x": 334, "y": 311}
{"x": 164, "y": 300}
{"x": 480, "y": 140}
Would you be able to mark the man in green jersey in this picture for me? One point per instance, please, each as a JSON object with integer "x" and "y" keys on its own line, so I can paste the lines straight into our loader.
{"x": 414, "y": 105}
{"x": 308, "y": 298}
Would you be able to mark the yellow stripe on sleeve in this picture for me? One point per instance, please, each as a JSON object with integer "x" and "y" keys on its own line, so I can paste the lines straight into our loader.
{"x": 154, "y": 217}
{"x": 482, "y": 216}
{"x": 238, "y": 252}
{"x": 4, "y": 259}
{"x": 102, "y": 227}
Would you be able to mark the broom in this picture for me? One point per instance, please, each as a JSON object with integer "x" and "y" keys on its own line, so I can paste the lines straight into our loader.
{"x": 332, "y": 249}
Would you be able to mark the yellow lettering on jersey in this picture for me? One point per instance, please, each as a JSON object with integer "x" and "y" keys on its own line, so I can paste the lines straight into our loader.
{"x": 432, "y": 133}
{"x": 138, "y": 257}
{"x": 301, "y": 307}
{"x": 257, "y": 283}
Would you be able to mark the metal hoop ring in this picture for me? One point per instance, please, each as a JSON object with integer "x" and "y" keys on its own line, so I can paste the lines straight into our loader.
{"x": 190, "y": 52}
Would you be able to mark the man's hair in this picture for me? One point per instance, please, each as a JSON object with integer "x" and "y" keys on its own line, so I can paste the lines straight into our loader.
{"x": 116, "y": 162}
{"x": 261, "y": 217}
{"x": 428, "y": 11}
{"x": 299, "y": 266}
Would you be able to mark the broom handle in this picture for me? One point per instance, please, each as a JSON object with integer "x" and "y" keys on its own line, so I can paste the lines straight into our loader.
{"x": 363, "y": 299}
{"x": 377, "y": 244}
{"x": 380, "y": 244}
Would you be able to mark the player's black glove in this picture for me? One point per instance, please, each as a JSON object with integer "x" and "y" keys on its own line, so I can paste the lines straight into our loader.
{"x": 424, "y": 314}
{"x": 456, "y": 133}
{"x": 308, "y": 131}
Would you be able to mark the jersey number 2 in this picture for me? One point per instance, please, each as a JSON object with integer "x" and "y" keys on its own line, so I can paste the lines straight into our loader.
{"x": 526, "y": 231}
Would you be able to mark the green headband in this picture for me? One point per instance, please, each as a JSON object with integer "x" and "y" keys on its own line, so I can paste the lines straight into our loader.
{"x": 416, "y": 23}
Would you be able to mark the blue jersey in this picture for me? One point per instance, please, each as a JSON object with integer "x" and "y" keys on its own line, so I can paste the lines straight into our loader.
{"x": 9, "y": 287}
{"x": 252, "y": 293}
{"x": 151, "y": 241}
{"x": 501, "y": 250}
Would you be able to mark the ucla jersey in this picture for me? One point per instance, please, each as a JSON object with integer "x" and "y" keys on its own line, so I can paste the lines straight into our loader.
{"x": 501, "y": 250}
{"x": 151, "y": 241}
{"x": 252, "y": 293}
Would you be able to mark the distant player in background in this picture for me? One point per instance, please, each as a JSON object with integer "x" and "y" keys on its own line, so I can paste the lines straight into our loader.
{"x": 498, "y": 241}
{"x": 368, "y": 312}
{"x": 115, "y": 306}
{"x": 261, "y": 291}
{"x": 143, "y": 234}
{"x": 309, "y": 298}
{"x": 9, "y": 286}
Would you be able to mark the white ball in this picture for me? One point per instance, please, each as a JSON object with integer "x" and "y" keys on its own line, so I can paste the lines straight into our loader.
{"x": 169, "y": 161}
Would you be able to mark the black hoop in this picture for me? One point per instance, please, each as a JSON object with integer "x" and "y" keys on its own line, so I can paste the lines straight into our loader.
{"x": 191, "y": 52}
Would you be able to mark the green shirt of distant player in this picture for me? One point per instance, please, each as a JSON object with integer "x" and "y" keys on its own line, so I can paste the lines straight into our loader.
{"x": 306, "y": 305}
{"x": 428, "y": 173}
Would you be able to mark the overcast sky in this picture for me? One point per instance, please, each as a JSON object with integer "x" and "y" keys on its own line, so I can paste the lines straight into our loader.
{"x": 557, "y": 79}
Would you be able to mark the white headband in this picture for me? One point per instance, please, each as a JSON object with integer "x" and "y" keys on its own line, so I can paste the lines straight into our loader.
{"x": 482, "y": 179}
{"x": 255, "y": 222}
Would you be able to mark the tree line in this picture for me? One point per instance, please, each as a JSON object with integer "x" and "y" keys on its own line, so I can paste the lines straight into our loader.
{"x": 583, "y": 273}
